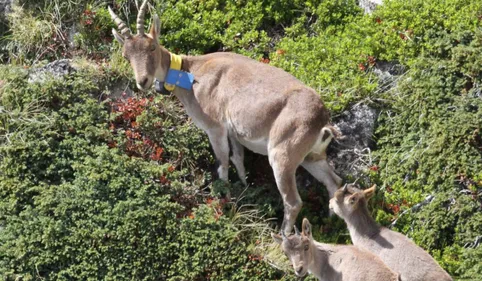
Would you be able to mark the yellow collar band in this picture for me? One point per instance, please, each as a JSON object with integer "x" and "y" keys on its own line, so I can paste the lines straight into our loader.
{"x": 176, "y": 63}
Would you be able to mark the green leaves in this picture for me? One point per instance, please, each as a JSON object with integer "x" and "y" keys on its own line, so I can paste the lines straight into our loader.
{"x": 429, "y": 145}
{"x": 74, "y": 208}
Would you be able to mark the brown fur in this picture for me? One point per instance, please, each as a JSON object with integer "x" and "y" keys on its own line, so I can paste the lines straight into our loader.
{"x": 246, "y": 103}
{"x": 396, "y": 250}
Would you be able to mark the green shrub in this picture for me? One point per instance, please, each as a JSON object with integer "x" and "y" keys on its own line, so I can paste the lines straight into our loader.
{"x": 28, "y": 36}
{"x": 108, "y": 189}
{"x": 74, "y": 207}
{"x": 429, "y": 143}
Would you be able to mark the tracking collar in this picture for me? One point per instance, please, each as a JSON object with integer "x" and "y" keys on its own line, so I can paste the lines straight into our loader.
{"x": 175, "y": 77}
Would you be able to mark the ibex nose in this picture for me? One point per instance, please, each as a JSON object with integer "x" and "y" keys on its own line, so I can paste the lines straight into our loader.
{"x": 142, "y": 83}
{"x": 299, "y": 270}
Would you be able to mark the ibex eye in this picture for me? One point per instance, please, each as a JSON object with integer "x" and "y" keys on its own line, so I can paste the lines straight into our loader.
{"x": 153, "y": 47}
{"x": 307, "y": 247}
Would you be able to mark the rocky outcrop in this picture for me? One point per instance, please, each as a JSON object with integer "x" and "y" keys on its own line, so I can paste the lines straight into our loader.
{"x": 351, "y": 154}
{"x": 5, "y": 8}
{"x": 61, "y": 68}
{"x": 56, "y": 69}
{"x": 369, "y": 5}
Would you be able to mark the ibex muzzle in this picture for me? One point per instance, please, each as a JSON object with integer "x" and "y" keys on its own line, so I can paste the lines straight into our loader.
{"x": 242, "y": 102}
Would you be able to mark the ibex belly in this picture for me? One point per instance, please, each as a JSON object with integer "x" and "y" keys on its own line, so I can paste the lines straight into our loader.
{"x": 256, "y": 145}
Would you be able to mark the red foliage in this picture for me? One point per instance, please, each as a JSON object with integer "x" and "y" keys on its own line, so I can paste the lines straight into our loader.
{"x": 264, "y": 60}
{"x": 87, "y": 17}
{"x": 280, "y": 52}
{"x": 137, "y": 144}
{"x": 374, "y": 168}
{"x": 394, "y": 208}
{"x": 389, "y": 189}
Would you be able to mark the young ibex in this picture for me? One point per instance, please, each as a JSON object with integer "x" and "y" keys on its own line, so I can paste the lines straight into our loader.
{"x": 331, "y": 262}
{"x": 237, "y": 100}
{"x": 395, "y": 250}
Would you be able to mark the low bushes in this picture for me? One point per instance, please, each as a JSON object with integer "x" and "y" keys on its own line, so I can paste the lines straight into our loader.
{"x": 74, "y": 206}
{"x": 92, "y": 188}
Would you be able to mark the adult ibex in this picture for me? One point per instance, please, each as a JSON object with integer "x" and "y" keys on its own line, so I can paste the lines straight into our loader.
{"x": 331, "y": 262}
{"x": 237, "y": 100}
{"x": 396, "y": 251}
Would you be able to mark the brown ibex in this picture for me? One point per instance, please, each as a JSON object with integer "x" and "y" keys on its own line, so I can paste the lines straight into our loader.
{"x": 237, "y": 100}
{"x": 396, "y": 250}
{"x": 331, "y": 262}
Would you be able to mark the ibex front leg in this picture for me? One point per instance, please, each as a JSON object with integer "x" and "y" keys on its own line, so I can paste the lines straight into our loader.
{"x": 218, "y": 137}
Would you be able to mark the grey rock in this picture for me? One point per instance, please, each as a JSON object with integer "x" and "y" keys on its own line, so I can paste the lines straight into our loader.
{"x": 57, "y": 69}
{"x": 388, "y": 75}
{"x": 369, "y": 5}
{"x": 61, "y": 68}
{"x": 351, "y": 154}
{"x": 5, "y": 7}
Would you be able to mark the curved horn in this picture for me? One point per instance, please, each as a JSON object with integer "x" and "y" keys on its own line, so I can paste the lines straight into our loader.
{"x": 120, "y": 24}
{"x": 345, "y": 188}
{"x": 140, "y": 18}
{"x": 297, "y": 232}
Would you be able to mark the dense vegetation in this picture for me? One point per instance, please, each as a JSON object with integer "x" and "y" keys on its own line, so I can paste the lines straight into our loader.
{"x": 95, "y": 187}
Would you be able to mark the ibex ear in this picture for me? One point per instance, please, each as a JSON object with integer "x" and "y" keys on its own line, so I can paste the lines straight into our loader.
{"x": 306, "y": 227}
{"x": 277, "y": 238}
{"x": 353, "y": 199}
{"x": 118, "y": 37}
{"x": 155, "y": 27}
{"x": 370, "y": 192}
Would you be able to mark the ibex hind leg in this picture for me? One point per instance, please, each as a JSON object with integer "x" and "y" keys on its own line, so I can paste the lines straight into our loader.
{"x": 315, "y": 162}
{"x": 323, "y": 172}
{"x": 284, "y": 173}
{"x": 238, "y": 158}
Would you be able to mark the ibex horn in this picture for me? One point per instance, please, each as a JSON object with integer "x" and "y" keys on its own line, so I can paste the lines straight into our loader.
{"x": 124, "y": 30}
{"x": 140, "y": 18}
{"x": 345, "y": 188}
{"x": 297, "y": 232}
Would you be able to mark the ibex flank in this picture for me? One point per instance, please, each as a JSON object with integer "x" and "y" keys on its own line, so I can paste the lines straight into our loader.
{"x": 237, "y": 100}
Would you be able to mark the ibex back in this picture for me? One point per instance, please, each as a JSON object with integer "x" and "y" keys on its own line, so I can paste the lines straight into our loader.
{"x": 237, "y": 100}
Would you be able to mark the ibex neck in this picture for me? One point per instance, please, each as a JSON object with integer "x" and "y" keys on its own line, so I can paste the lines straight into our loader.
{"x": 192, "y": 63}
{"x": 362, "y": 226}
{"x": 321, "y": 268}
{"x": 166, "y": 60}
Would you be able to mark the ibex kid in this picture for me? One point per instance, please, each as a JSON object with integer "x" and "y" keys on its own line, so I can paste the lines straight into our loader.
{"x": 395, "y": 250}
{"x": 331, "y": 262}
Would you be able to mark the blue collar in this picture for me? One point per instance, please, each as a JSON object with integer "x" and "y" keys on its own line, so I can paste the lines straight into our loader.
{"x": 179, "y": 78}
{"x": 175, "y": 77}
